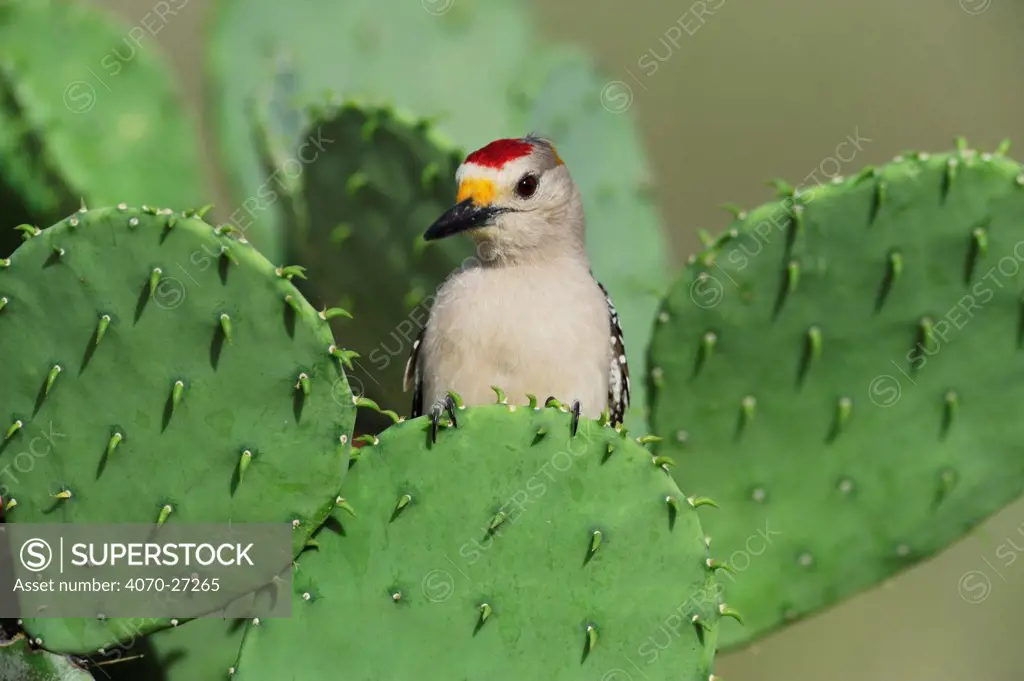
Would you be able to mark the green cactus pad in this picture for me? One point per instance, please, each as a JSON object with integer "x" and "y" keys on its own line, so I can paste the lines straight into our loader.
{"x": 263, "y": 51}
{"x": 20, "y": 662}
{"x": 504, "y": 551}
{"x": 95, "y": 120}
{"x": 198, "y": 650}
{"x": 480, "y": 73}
{"x": 157, "y": 369}
{"x": 378, "y": 180}
{"x": 842, "y": 372}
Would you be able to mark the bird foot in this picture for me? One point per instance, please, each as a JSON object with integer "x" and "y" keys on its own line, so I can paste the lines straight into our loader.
{"x": 575, "y": 413}
{"x": 446, "y": 405}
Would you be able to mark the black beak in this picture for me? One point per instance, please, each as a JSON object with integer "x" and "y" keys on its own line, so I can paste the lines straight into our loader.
{"x": 459, "y": 218}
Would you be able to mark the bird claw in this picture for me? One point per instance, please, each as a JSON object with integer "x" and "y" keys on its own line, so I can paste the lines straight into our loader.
{"x": 449, "y": 407}
{"x": 575, "y": 412}
{"x": 445, "y": 406}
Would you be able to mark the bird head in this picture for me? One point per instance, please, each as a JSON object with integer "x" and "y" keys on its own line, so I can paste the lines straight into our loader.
{"x": 517, "y": 200}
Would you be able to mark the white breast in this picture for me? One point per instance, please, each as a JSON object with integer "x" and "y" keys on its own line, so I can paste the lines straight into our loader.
{"x": 529, "y": 329}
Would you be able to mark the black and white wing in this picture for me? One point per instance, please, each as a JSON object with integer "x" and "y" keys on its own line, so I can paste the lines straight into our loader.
{"x": 414, "y": 376}
{"x": 618, "y": 370}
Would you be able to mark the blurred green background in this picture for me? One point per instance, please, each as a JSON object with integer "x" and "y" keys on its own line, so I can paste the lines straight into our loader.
{"x": 740, "y": 92}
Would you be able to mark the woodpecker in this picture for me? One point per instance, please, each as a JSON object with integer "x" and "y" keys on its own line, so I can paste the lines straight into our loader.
{"x": 526, "y": 314}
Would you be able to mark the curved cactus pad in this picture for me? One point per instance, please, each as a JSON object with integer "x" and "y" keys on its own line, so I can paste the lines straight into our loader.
{"x": 843, "y": 372}
{"x": 157, "y": 370}
{"x": 97, "y": 119}
{"x": 505, "y": 551}
{"x": 197, "y": 650}
{"x": 19, "y": 662}
{"x": 286, "y": 56}
{"x": 394, "y": 179}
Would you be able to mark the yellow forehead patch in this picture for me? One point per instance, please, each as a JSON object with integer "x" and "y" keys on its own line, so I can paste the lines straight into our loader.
{"x": 481, "y": 191}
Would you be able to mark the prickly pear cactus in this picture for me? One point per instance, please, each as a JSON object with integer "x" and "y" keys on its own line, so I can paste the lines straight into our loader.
{"x": 200, "y": 649}
{"x": 267, "y": 52}
{"x": 356, "y": 221}
{"x": 96, "y": 119}
{"x": 157, "y": 369}
{"x": 506, "y": 550}
{"x": 842, "y": 371}
{"x": 519, "y": 86}
{"x": 20, "y": 662}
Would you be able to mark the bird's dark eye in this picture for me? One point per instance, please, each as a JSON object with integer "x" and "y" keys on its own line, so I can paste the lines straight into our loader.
{"x": 527, "y": 186}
